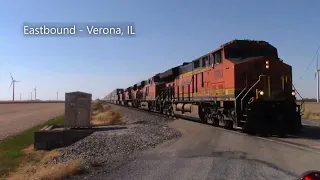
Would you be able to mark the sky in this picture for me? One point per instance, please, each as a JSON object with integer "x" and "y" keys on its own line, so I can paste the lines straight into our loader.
{"x": 168, "y": 32}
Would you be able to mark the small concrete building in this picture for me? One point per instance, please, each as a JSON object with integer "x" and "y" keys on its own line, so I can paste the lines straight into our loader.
{"x": 77, "y": 109}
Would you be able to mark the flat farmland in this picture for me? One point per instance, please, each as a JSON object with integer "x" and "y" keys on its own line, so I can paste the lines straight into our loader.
{"x": 312, "y": 107}
{"x": 17, "y": 117}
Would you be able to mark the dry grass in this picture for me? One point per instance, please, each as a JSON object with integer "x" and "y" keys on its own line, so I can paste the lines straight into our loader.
{"x": 16, "y": 149}
{"x": 97, "y": 106}
{"x": 105, "y": 115}
{"x": 108, "y": 117}
{"x": 39, "y": 167}
{"x": 49, "y": 156}
{"x": 309, "y": 115}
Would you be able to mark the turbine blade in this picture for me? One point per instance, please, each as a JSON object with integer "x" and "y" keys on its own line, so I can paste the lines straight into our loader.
{"x": 11, "y": 76}
{"x": 11, "y": 84}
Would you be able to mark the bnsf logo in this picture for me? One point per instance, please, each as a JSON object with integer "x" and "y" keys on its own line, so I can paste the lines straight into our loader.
{"x": 218, "y": 74}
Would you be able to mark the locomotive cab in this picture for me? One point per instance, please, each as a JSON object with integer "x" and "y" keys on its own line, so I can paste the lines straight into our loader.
{"x": 265, "y": 101}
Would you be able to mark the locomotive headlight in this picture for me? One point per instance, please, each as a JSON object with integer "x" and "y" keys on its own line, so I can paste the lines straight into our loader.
{"x": 293, "y": 93}
{"x": 261, "y": 93}
{"x": 267, "y": 64}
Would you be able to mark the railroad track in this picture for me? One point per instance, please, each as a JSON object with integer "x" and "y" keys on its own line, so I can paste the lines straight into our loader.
{"x": 238, "y": 130}
{"x": 146, "y": 111}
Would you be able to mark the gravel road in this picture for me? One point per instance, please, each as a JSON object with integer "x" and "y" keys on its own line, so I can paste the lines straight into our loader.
{"x": 205, "y": 152}
{"x": 151, "y": 147}
{"x": 15, "y": 118}
{"x": 311, "y": 122}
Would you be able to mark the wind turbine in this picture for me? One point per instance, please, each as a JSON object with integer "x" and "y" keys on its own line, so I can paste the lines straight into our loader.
{"x": 31, "y": 95}
{"x": 12, "y": 84}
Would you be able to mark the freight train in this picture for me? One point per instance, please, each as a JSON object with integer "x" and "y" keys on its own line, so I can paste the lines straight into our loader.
{"x": 243, "y": 84}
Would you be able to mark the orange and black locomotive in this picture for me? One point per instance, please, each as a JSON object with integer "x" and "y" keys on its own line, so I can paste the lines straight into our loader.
{"x": 242, "y": 84}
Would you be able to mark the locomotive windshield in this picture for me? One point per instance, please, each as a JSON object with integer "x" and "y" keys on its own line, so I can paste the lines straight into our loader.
{"x": 238, "y": 53}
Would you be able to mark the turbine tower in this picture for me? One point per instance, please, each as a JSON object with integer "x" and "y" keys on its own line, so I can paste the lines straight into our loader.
{"x": 12, "y": 84}
{"x": 31, "y": 95}
{"x": 317, "y": 75}
{"x": 35, "y": 93}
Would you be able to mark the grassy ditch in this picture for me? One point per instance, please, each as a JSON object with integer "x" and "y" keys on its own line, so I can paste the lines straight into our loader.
{"x": 19, "y": 160}
{"x": 11, "y": 148}
{"x": 310, "y": 115}
{"x": 39, "y": 165}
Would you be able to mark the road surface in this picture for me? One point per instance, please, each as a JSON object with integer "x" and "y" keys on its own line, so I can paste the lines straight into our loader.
{"x": 15, "y": 118}
{"x": 206, "y": 152}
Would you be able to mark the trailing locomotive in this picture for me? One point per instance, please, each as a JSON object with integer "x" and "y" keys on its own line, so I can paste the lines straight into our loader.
{"x": 242, "y": 84}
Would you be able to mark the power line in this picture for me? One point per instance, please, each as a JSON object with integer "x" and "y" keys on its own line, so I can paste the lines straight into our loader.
{"x": 314, "y": 57}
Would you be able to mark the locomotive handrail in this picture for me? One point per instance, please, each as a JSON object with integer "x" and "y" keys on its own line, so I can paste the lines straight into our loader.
{"x": 250, "y": 90}
{"x": 241, "y": 92}
{"x": 302, "y": 101}
{"x": 243, "y": 89}
{"x": 235, "y": 102}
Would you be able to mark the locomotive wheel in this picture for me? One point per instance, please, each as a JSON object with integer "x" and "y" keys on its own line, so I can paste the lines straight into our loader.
{"x": 263, "y": 132}
{"x": 282, "y": 134}
{"x": 209, "y": 119}
{"x": 295, "y": 126}
{"x": 215, "y": 121}
{"x": 212, "y": 120}
{"x": 203, "y": 117}
{"x": 228, "y": 124}
{"x": 164, "y": 111}
{"x": 171, "y": 112}
{"x": 261, "y": 126}
{"x": 281, "y": 129}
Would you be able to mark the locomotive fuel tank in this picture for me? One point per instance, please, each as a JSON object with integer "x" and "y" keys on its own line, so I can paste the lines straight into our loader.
{"x": 186, "y": 110}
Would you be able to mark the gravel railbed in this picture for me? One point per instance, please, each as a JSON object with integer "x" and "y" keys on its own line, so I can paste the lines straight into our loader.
{"x": 103, "y": 151}
{"x": 311, "y": 122}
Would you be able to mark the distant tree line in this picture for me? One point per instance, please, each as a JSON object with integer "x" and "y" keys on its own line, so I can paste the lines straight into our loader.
{"x": 308, "y": 100}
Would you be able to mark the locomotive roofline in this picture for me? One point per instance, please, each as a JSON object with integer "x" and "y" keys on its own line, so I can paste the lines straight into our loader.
{"x": 218, "y": 49}
{"x": 246, "y": 40}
